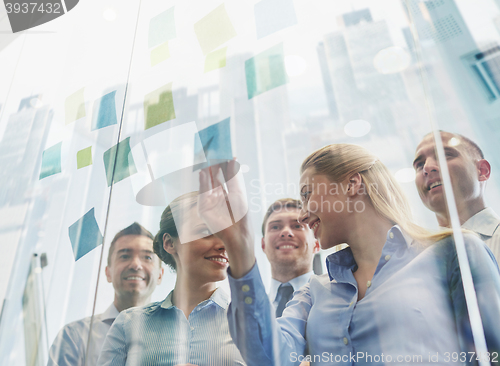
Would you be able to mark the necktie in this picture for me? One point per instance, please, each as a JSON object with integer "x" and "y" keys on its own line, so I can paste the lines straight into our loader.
{"x": 285, "y": 291}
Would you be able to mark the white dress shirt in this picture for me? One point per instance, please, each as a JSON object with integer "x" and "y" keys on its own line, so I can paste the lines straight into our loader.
{"x": 486, "y": 223}
{"x": 296, "y": 283}
{"x": 70, "y": 345}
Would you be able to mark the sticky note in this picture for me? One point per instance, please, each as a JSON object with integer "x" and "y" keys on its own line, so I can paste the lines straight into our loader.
{"x": 158, "y": 106}
{"x": 104, "y": 112}
{"x": 273, "y": 15}
{"x": 84, "y": 235}
{"x": 161, "y": 28}
{"x": 265, "y": 71}
{"x": 51, "y": 161}
{"x": 215, "y": 142}
{"x": 159, "y": 54}
{"x": 124, "y": 166}
{"x": 84, "y": 157}
{"x": 215, "y": 60}
{"x": 74, "y": 107}
{"x": 214, "y": 29}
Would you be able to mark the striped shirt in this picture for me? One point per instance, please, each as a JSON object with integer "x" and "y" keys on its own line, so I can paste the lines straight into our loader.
{"x": 160, "y": 334}
{"x": 486, "y": 223}
{"x": 70, "y": 345}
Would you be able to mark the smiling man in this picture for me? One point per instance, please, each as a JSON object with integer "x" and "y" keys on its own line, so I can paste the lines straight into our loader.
{"x": 289, "y": 246}
{"x": 469, "y": 172}
{"x": 134, "y": 270}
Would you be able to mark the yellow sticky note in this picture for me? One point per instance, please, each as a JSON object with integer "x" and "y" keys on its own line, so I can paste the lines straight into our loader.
{"x": 214, "y": 29}
{"x": 215, "y": 60}
{"x": 84, "y": 157}
{"x": 159, "y": 106}
{"x": 159, "y": 54}
{"x": 74, "y": 107}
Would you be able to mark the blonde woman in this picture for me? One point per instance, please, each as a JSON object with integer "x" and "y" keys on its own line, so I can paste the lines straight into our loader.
{"x": 394, "y": 296}
{"x": 190, "y": 326}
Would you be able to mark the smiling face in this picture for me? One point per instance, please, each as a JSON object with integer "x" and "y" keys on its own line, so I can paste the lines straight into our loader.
{"x": 465, "y": 173}
{"x": 326, "y": 208}
{"x": 202, "y": 258}
{"x": 287, "y": 242}
{"x": 134, "y": 269}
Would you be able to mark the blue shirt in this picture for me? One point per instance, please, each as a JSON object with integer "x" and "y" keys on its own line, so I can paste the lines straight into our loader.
{"x": 414, "y": 307}
{"x": 160, "y": 334}
{"x": 70, "y": 346}
{"x": 486, "y": 224}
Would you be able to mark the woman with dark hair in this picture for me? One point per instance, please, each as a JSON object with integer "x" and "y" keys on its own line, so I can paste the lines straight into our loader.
{"x": 190, "y": 326}
{"x": 395, "y": 295}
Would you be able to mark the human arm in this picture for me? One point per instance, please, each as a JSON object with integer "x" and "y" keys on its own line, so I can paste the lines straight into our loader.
{"x": 225, "y": 213}
{"x": 114, "y": 350}
{"x": 261, "y": 338}
{"x": 255, "y": 331}
{"x": 486, "y": 278}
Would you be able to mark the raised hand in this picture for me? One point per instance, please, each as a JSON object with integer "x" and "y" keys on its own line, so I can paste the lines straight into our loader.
{"x": 222, "y": 204}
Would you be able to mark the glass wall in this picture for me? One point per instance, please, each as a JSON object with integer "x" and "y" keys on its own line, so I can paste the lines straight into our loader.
{"x": 104, "y": 113}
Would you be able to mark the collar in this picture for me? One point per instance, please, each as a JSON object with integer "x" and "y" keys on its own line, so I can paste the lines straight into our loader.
{"x": 110, "y": 314}
{"x": 296, "y": 283}
{"x": 338, "y": 262}
{"x": 485, "y": 222}
{"x": 219, "y": 297}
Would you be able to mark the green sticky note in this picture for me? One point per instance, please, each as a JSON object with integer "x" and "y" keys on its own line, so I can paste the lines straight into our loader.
{"x": 265, "y": 71}
{"x": 51, "y": 161}
{"x": 215, "y": 60}
{"x": 159, "y": 54}
{"x": 158, "y": 106}
{"x": 74, "y": 106}
{"x": 214, "y": 29}
{"x": 161, "y": 28}
{"x": 84, "y": 158}
{"x": 124, "y": 166}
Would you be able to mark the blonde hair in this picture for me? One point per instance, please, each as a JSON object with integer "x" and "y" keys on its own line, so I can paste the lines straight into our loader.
{"x": 181, "y": 205}
{"x": 340, "y": 161}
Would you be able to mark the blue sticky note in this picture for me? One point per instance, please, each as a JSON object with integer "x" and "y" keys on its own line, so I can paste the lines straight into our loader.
{"x": 104, "y": 112}
{"x": 51, "y": 161}
{"x": 266, "y": 71}
{"x": 273, "y": 15}
{"x": 161, "y": 28}
{"x": 118, "y": 162}
{"x": 85, "y": 235}
{"x": 216, "y": 143}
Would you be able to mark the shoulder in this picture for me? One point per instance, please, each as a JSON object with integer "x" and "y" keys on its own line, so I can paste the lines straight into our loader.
{"x": 477, "y": 251}
{"x": 140, "y": 311}
{"x": 74, "y": 333}
{"x": 77, "y": 326}
{"x": 317, "y": 281}
{"x": 471, "y": 241}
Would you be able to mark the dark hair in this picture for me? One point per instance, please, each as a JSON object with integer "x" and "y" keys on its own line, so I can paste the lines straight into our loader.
{"x": 134, "y": 229}
{"x": 282, "y": 204}
{"x": 167, "y": 225}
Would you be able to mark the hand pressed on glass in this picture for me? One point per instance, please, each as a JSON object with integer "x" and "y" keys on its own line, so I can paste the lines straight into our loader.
{"x": 222, "y": 205}
{"x": 222, "y": 202}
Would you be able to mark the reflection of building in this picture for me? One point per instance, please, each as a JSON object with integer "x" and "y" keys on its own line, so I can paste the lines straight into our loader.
{"x": 360, "y": 90}
{"x": 21, "y": 150}
{"x": 20, "y": 158}
{"x": 473, "y": 71}
{"x": 496, "y": 21}
{"x": 327, "y": 81}
{"x": 355, "y": 17}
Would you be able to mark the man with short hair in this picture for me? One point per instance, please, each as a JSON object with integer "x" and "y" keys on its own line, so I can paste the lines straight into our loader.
{"x": 289, "y": 246}
{"x": 469, "y": 172}
{"x": 134, "y": 270}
